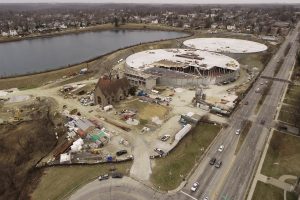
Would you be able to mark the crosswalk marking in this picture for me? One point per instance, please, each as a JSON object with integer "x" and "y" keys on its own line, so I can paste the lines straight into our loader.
{"x": 188, "y": 195}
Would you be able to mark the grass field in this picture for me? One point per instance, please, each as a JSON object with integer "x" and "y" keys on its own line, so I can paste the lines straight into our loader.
{"x": 283, "y": 156}
{"x": 60, "y": 181}
{"x": 291, "y": 196}
{"x": 267, "y": 192}
{"x": 293, "y": 92}
{"x": 289, "y": 114}
{"x": 291, "y": 101}
{"x": 169, "y": 172}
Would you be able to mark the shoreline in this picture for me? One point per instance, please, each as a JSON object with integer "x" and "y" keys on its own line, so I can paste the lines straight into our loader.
{"x": 189, "y": 34}
{"x": 102, "y": 27}
{"x": 131, "y": 27}
{"x": 32, "y": 80}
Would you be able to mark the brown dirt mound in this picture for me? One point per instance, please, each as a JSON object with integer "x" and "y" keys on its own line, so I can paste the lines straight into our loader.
{"x": 22, "y": 145}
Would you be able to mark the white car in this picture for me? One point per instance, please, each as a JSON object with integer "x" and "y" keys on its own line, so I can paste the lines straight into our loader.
{"x": 221, "y": 148}
{"x": 195, "y": 186}
{"x": 205, "y": 198}
{"x": 237, "y": 132}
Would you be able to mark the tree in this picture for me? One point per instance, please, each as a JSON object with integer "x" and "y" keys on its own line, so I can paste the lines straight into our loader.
{"x": 123, "y": 20}
{"x": 208, "y": 23}
{"x": 132, "y": 90}
{"x": 116, "y": 22}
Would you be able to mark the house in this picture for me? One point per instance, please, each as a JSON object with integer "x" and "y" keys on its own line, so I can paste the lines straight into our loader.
{"x": 214, "y": 26}
{"x": 109, "y": 91}
{"x": 4, "y": 34}
{"x": 230, "y": 27}
{"x": 13, "y": 32}
{"x": 154, "y": 21}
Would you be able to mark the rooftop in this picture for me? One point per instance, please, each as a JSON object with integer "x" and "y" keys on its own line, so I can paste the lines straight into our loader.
{"x": 180, "y": 58}
{"x": 226, "y": 45}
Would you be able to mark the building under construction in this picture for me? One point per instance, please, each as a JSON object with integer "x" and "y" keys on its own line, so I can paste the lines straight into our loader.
{"x": 179, "y": 67}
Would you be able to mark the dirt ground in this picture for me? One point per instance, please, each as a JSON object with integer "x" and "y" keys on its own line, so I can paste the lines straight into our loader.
{"x": 146, "y": 111}
{"x": 22, "y": 145}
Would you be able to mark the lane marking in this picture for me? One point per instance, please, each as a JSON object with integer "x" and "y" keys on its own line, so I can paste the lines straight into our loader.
{"x": 188, "y": 195}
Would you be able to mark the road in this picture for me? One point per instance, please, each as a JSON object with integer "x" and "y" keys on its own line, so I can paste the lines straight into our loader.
{"x": 232, "y": 180}
{"x": 238, "y": 182}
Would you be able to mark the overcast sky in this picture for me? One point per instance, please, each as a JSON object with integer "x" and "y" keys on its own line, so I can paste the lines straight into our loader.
{"x": 152, "y": 1}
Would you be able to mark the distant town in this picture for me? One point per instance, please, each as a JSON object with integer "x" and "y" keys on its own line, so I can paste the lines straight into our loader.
{"x": 30, "y": 19}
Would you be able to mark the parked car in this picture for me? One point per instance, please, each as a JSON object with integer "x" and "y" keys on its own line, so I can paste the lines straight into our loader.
{"x": 212, "y": 161}
{"x": 103, "y": 177}
{"x": 117, "y": 175}
{"x": 262, "y": 122}
{"x": 165, "y": 138}
{"x": 237, "y": 132}
{"x": 205, "y": 198}
{"x": 195, "y": 186}
{"x": 221, "y": 148}
{"x": 246, "y": 103}
{"x": 159, "y": 151}
{"x": 218, "y": 164}
{"x": 121, "y": 152}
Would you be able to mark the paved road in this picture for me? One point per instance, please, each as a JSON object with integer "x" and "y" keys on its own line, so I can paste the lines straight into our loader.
{"x": 113, "y": 189}
{"x": 232, "y": 180}
{"x": 240, "y": 175}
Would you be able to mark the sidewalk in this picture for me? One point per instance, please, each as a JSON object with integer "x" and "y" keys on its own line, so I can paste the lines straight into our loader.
{"x": 275, "y": 182}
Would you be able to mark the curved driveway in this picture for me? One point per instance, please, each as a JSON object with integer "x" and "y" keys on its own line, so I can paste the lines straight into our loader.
{"x": 122, "y": 189}
{"x": 115, "y": 189}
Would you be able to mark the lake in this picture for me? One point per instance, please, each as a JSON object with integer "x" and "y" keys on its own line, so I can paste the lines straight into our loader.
{"x": 40, "y": 54}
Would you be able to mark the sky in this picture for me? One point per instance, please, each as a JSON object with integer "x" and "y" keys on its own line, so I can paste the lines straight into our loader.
{"x": 154, "y": 1}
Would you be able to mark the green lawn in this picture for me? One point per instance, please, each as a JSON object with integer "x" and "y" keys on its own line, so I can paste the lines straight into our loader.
{"x": 267, "y": 192}
{"x": 169, "y": 172}
{"x": 283, "y": 156}
{"x": 60, "y": 181}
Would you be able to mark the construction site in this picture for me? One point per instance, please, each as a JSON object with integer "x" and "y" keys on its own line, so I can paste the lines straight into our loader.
{"x": 174, "y": 90}
{"x": 179, "y": 68}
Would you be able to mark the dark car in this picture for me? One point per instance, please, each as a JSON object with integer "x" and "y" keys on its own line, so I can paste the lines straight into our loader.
{"x": 121, "y": 152}
{"x": 165, "y": 138}
{"x": 103, "y": 177}
{"x": 218, "y": 164}
{"x": 159, "y": 151}
{"x": 262, "y": 122}
{"x": 117, "y": 175}
{"x": 212, "y": 161}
